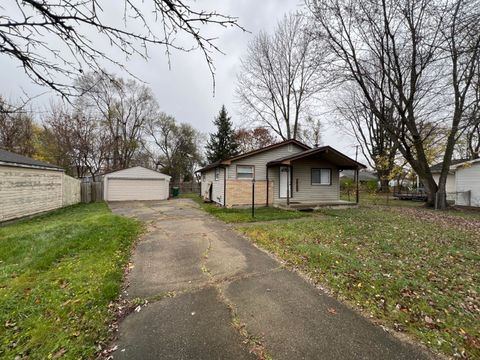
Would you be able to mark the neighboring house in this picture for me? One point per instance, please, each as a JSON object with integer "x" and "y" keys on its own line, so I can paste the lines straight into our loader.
{"x": 437, "y": 169}
{"x": 285, "y": 174}
{"x": 364, "y": 175}
{"x": 29, "y": 186}
{"x": 136, "y": 183}
{"x": 463, "y": 181}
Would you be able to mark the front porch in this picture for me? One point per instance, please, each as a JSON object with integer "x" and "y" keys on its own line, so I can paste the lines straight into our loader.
{"x": 312, "y": 206}
{"x": 310, "y": 180}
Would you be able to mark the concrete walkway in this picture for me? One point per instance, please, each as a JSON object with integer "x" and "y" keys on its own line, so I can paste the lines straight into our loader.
{"x": 213, "y": 295}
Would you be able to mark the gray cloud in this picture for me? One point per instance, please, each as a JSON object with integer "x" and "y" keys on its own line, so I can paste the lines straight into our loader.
{"x": 185, "y": 90}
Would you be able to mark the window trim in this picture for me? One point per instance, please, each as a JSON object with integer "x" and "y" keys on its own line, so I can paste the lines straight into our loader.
{"x": 320, "y": 184}
{"x": 216, "y": 174}
{"x": 245, "y": 165}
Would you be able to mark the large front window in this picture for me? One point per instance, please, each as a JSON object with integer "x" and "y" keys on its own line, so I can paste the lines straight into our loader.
{"x": 245, "y": 172}
{"x": 321, "y": 176}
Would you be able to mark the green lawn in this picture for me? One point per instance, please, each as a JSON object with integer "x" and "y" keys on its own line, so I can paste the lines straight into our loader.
{"x": 239, "y": 215}
{"x": 58, "y": 274}
{"x": 419, "y": 276}
{"x": 368, "y": 198}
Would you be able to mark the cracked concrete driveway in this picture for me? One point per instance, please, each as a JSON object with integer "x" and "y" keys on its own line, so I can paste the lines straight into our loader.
{"x": 204, "y": 282}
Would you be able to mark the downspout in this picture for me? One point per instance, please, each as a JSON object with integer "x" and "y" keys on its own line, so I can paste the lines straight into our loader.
{"x": 225, "y": 186}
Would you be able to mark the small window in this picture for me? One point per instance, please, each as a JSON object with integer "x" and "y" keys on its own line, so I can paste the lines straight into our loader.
{"x": 245, "y": 171}
{"x": 321, "y": 176}
{"x": 217, "y": 173}
{"x": 204, "y": 177}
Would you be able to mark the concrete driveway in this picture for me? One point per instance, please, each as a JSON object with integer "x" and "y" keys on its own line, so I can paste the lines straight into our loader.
{"x": 213, "y": 295}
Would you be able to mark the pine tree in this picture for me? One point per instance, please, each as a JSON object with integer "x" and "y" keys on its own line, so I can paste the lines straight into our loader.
{"x": 222, "y": 144}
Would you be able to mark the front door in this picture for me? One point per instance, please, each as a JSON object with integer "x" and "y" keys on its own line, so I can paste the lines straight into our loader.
{"x": 284, "y": 181}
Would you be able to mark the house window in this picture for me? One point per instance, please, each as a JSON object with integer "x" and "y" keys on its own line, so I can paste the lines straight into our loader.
{"x": 217, "y": 173}
{"x": 321, "y": 176}
{"x": 245, "y": 172}
{"x": 204, "y": 177}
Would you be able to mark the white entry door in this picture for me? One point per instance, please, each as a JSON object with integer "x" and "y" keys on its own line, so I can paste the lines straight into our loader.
{"x": 284, "y": 181}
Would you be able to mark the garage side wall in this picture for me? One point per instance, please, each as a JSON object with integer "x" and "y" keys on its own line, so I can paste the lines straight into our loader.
{"x": 25, "y": 191}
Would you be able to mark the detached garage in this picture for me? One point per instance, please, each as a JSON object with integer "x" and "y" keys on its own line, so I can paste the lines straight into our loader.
{"x": 136, "y": 183}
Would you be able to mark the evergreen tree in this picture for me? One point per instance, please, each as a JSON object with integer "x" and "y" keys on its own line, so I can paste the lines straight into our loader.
{"x": 222, "y": 144}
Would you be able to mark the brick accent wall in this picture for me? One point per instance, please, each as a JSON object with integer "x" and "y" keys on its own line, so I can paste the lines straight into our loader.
{"x": 239, "y": 192}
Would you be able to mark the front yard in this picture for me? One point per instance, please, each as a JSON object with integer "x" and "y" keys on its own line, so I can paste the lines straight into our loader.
{"x": 413, "y": 270}
{"x": 58, "y": 274}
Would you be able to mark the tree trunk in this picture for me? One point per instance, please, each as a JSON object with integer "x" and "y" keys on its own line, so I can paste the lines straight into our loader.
{"x": 384, "y": 185}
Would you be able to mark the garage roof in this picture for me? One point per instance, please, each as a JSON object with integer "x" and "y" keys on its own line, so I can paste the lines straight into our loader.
{"x": 137, "y": 172}
{"x": 12, "y": 159}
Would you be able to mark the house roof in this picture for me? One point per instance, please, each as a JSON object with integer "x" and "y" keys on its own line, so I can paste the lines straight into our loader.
{"x": 12, "y": 159}
{"x": 438, "y": 167}
{"x": 327, "y": 152}
{"x": 253, "y": 152}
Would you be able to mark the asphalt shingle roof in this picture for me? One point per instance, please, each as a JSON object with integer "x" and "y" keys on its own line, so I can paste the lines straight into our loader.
{"x": 12, "y": 158}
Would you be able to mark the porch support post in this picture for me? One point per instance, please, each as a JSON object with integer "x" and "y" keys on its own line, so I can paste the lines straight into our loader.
{"x": 267, "y": 186}
{"x": 357, "y": 195}
{"x": 288, "y": 185}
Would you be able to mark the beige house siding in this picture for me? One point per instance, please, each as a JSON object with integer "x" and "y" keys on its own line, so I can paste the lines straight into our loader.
{"x": 71, "y": 190}
{"x": 27, "y": 191}
{"x": 306, "y": 191}
{"x": 260, "y": 160}
{"x": 208, "y": 178}
{"x": 468, "y": 179}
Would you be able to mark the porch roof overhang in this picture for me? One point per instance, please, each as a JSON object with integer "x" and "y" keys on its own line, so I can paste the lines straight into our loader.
{"x": 323, "y": 152}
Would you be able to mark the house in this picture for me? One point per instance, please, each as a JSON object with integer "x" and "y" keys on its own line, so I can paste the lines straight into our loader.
{"x": 463, "y": 181}
{"x": 288, "y": 173}
{"x": 29, "y": 186}
{"x": 136, "y": 183}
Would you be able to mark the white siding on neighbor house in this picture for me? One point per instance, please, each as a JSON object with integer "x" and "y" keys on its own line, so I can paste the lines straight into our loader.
{"x": 27, "y": 191}
{"x": 468, "y": 179}
{"x": 218, "y": 193}
{"x": 450, "y": 185}
{"x": 307, "y": 192}
{"x": 136, "y": 183}
{"x": 260, "y": 160}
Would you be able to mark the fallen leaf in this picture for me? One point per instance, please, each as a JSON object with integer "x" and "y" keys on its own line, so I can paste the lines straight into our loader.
{"x": 332, "y": 311}
{"x": 59, "y": 353}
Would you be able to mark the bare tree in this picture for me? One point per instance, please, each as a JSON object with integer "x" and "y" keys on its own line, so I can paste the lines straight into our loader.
{"x": 311, "y": 131}
{"x": 25, "y": 24}
{"x": 16, "y": 129}
{"x": 76, "y": 141}
{"x": 422, "y": 49}
{"x": 123, "y": 108}
{"x": 252, "y": 139}
{"x": 278, "y": 79}
{"x": 174, "y": 147}
{"x": 377, "y": 146}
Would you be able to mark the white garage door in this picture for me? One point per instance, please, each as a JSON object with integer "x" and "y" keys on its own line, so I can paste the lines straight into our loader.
{"x": 136, "y": 189}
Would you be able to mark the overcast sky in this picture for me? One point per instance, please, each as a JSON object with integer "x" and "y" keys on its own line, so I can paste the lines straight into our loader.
{"x": 185, "y": 91}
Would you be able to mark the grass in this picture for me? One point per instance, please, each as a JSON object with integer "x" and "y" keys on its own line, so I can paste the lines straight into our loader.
{"x": 58, "y": 274}
{"x": 239, "y": 215}
{"x": 418, "y": 277}
{"x": 368, "y": 198}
